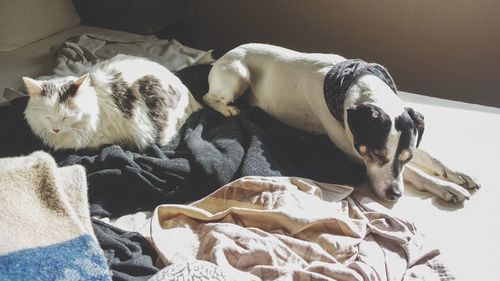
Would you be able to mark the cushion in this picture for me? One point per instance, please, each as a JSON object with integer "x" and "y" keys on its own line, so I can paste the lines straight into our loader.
{"x": 26, "y": 21}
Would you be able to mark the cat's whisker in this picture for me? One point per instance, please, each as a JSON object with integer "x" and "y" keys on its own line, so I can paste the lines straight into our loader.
{"x": 75, "y": 135}
{"x": 83, "y": 140}
{"x": 83, "y": 136}
{"x": 78, "y": 129}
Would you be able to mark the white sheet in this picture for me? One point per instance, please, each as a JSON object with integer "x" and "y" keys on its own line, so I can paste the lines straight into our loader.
{"x": 465, "y": 136}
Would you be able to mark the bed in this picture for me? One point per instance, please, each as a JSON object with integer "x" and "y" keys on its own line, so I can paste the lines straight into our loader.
{"x": 123, "y": 185}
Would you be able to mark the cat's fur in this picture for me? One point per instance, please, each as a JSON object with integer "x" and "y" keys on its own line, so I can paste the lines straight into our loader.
{"x": 126, "y": 100}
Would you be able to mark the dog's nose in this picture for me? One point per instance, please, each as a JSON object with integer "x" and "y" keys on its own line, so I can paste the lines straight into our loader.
{"x": 393, "y": 194}
{"x": 56, "y": 130}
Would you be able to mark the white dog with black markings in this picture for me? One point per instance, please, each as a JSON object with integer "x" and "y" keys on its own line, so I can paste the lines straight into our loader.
{"x": 353, "y": 102}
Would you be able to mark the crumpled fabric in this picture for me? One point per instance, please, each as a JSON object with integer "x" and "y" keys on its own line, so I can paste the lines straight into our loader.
{"x": 278, "y": 228}
{"x": 78, "y": 54}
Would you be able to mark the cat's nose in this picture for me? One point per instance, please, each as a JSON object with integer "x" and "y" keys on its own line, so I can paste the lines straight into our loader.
{"x": 55, "y": 130}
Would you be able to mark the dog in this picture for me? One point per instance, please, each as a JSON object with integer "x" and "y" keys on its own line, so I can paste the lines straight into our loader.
{"x": 353, "y": 102}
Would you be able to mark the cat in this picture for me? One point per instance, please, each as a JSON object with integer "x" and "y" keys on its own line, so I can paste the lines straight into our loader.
{"x": 129, "y": 101}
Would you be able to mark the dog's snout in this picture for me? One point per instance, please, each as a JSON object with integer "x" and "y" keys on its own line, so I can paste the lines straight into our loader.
{"x": 393, "y": 194}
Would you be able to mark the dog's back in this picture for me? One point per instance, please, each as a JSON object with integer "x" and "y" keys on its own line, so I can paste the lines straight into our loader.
{"x": 286, "y": 84}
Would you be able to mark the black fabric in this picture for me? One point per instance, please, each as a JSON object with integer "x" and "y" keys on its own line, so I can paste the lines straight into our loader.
{"x": 16, "y": 137}
{"x": 195, "y": 78}
{"x": 341, "y": 77}
{"x": 130, "y": 256}
{"x": 209, "y": 151}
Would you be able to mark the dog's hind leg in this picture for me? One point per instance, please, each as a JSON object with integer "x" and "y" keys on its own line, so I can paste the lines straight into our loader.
{"x": 227, "y": 81}
{"x": 446, "y": 190}
{"x": 427, "y": 162}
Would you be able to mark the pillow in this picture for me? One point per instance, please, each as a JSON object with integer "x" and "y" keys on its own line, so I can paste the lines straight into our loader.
{"x": 26, "y": 21}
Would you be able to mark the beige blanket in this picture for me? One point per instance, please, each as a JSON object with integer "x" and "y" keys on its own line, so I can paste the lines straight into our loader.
{"x": 45, "y": 227}
{"x": 259, "y": 228}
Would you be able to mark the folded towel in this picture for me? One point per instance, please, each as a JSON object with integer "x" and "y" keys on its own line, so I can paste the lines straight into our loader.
{"x": 46, "y": 233}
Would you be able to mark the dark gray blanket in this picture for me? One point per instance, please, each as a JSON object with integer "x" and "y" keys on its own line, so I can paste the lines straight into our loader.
{"x": 130, "y": 256}
{"x": 76, "y": 55}
{"x": 209, "y": 151}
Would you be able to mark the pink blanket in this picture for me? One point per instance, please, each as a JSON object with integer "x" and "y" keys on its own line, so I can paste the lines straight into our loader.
{"x": 258, "y": 228}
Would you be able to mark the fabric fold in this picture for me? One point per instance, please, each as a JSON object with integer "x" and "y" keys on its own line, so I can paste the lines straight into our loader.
{"x": 279, "y": 228}
{"x": 45, "y": 227}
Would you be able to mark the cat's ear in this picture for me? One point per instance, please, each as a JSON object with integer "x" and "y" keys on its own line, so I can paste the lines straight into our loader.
{"x": 83, "y": 79}
{"x": 33, "y": 87}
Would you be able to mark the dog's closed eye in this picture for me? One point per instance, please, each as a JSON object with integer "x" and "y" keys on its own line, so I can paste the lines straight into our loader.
{"x": 380, "y": 156}
{"x": 405, "y": 156}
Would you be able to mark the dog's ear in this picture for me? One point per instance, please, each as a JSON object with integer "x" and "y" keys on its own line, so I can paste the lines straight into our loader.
{"x": 418, "y": 120}
{"x": 369, "y": 124}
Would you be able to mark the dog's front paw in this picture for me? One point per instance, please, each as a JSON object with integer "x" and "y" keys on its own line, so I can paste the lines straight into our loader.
{"x": 470, "y": 182}
{"x": 446, "y": 186}
{"x": 221, "y": 106}
{"x": 453, "y": 193}
{"x": 230, "y": 110}
{"x": 464, "y": 180}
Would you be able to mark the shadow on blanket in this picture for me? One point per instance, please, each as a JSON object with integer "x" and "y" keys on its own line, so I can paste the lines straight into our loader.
{"x": 209, "y": 151}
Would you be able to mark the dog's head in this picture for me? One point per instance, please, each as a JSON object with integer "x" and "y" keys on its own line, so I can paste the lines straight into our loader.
{"x": 385, "y": 143}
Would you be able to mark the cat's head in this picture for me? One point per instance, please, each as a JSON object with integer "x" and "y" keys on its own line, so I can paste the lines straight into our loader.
{"x": 62, "y": 111}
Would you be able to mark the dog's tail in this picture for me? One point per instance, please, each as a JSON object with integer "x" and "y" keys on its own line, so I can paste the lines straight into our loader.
{"x": 211, "y": 56}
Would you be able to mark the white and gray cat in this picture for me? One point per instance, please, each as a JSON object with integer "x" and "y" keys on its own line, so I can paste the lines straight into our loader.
{"x": 126, "y": 100}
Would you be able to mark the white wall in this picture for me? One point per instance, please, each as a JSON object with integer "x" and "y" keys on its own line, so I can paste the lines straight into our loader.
{"x": 445, "y": 48}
